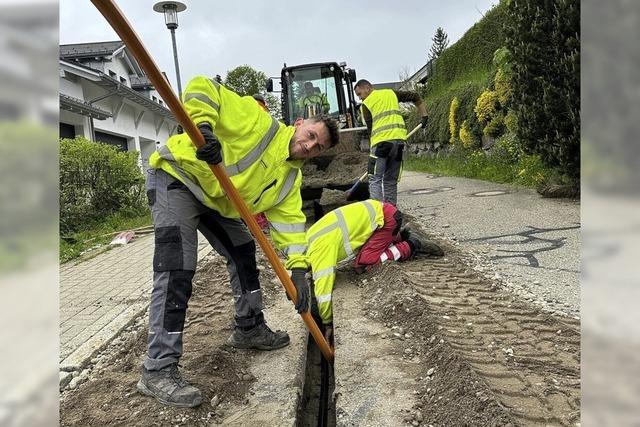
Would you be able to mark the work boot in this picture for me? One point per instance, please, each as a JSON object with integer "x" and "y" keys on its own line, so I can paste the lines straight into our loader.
{"x": 422, "y": 245}
{"x": 260, "y": 337}
{"x": 168, "y": 387}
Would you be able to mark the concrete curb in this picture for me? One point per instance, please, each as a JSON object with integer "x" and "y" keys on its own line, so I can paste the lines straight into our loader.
{"x": 81, "y": 356}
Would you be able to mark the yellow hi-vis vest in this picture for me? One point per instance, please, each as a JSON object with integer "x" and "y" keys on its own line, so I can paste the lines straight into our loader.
{"x": 337, "y": 236}
{"x": 388, "y": 123}
{"x": 255, "y": 148}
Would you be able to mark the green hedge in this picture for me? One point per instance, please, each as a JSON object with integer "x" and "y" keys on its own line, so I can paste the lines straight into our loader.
{"x": 470, "y": 59}
{"x": 464, "y": 70}
{"x": 544, "y": 41}
{"x": 96, "y": 181}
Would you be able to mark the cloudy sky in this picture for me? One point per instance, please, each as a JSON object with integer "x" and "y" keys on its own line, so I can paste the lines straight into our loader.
{"x": 379, "y": 38}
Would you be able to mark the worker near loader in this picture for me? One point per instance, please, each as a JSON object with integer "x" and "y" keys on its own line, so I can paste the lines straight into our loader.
{"x": 368, "y": 231}
{"x": 262, "y": 157}
{"x": 313, "y": 101}
{"x": 381, "y": 112}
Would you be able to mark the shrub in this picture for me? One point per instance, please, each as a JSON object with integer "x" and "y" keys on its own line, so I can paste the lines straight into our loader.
{"x": 466, "y": 136}
{"x": 486, "y": 105}
{"x": 97, "y": 180}
{"x": 504, "y": 90}
{"x": 511, "y": 121}
{"x": 453, "y": 111}
{"x": 544, "y": 41}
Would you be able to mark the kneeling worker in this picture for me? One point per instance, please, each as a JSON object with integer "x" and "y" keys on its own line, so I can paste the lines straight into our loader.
{"x": 367, "y": 230}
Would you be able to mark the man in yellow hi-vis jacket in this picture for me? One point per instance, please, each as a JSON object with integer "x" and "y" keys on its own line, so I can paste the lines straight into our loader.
{"x": 262, "y": 157}
{"x": 368, "y": 231}
{"x": 381, "y": 112}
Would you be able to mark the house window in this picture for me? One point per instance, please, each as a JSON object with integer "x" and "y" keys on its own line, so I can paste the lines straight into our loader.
{"x": 112, "y": 74}
{"x": 160, "y": 101}
{"x": 154, "y": 98}
{"x": 123, "y": 80}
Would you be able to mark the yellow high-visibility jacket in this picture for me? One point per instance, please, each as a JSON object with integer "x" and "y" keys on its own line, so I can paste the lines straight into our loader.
{"x": 255, "y": 148}
{"x": 337, "y": 236}
{"x": 387, "y": 121}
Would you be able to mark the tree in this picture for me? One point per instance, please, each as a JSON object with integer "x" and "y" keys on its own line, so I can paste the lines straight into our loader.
{"x": 543, "y": 38}
{"x": 245, "y": 81}
{"x": 440, "y": 43}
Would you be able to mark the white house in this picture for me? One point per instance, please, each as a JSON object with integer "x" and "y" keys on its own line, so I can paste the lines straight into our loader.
{"x": 105, "y": 96}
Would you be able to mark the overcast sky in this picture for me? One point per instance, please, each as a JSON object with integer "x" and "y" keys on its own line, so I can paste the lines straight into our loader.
{"x": 378, "y": 38}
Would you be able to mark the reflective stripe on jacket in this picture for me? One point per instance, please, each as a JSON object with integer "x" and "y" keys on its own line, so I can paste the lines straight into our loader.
{"x": 388, "y": 123}
{"x": 255, "y": 148}
{"x": 337, "y": 236}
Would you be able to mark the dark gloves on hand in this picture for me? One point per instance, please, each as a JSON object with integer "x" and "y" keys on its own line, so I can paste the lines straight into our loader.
{"x": 424, "y": 122}
{"x": 211, "y": 151}
{"x": 302, "y": 287}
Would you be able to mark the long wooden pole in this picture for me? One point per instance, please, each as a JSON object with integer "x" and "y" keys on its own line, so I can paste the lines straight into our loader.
{"x": 119, "y": 22}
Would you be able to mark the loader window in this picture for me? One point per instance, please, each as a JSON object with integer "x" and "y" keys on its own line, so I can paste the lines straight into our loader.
{"x": 313, "y": 91}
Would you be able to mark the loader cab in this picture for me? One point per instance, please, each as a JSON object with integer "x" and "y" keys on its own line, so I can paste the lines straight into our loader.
{"x": 319, "y": 88}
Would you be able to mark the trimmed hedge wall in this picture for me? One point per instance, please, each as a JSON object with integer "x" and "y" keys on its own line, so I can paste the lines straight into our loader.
{"x": 464, "y": 70}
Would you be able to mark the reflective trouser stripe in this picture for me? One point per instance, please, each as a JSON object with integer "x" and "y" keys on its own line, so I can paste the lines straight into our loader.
{"x": 395, "y": 252}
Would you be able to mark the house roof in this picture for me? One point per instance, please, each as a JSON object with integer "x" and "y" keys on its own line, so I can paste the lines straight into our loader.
{"x": 79, "y": 106}
{"x": 89, "y": 50}
{"x": 113, "y": 86}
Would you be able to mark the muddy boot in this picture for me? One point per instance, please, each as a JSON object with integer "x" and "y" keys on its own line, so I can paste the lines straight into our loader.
{"x": 260, "y": 337}
{"x": 422, "y": 245}
{"x": 168, "y": 387}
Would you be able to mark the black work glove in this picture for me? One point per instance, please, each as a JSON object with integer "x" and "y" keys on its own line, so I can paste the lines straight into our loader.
{"x": 424, "y": 122}
{"x": 302, "y": 287}
{"x": 211, "y": 151}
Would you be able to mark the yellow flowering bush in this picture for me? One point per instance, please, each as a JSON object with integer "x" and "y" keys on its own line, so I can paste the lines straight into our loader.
{"x": 486, "y": 105}
{"x": 453, "y": 111}
{"x": 466, "y": 136}
{"x": 504, "y": 90}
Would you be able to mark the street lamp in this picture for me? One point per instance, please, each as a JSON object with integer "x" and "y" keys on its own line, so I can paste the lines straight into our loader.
{"x": 170, "y": 10}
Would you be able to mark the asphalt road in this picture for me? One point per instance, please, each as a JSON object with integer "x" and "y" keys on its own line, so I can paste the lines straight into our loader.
{"x": 526, "y": 242}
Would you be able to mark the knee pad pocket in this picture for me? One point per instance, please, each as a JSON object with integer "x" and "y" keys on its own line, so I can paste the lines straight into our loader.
{"x": 245, "y": 259}
{"x": 178, "y": 293}
{"x": 168, "y": 253}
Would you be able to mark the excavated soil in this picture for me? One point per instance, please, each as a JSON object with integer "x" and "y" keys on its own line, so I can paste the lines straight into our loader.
{"x": 488, "y": 359}
{"x": 109, "y": 397}
{"x": 333, "y": 171}
{"x": 478, "y": 356}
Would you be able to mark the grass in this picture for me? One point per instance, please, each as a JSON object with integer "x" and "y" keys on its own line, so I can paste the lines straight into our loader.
{"x": 73, "y": 246}
{"x": 526, "y": 170}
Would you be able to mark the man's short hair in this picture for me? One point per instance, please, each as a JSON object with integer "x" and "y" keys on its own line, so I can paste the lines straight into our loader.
{"x": 332, "y": 127}
{"x": 363, "y": 84}
{"x": 259, "y": 97}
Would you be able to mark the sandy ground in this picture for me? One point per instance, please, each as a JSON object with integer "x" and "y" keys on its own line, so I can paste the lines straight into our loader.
{"x": 426, "y": 342}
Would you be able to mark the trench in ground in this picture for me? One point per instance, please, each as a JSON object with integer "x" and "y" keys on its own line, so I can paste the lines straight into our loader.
{"x": 317, "y": 407}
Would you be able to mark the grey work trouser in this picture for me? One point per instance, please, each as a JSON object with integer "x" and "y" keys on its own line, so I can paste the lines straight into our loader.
{"x": 385, "y": 164}
{"x": 177, "y": 216}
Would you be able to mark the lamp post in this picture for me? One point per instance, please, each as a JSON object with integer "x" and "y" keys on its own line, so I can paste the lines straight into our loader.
{"x": 170, "y": 10}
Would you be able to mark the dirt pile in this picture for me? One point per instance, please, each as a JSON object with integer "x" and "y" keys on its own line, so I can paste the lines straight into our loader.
{"x": 222, "y": 373}
{"x": 488, "y": 359}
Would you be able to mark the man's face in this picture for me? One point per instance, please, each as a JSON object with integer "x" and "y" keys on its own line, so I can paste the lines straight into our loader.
{"x": 309, "y": 139}
{"x": 362, "y": 92}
